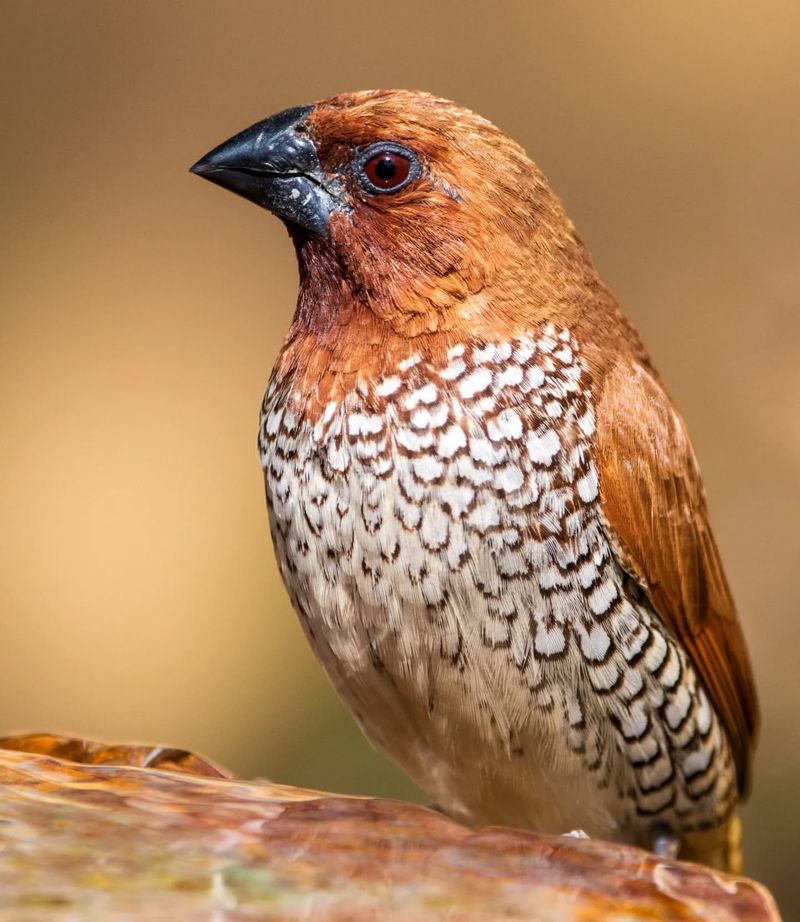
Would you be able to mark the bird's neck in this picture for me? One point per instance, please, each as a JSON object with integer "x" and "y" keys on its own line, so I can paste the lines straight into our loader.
{"x": 342, "y": 335}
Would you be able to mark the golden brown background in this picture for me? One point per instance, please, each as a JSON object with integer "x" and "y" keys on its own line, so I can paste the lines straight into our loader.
{"x": 141, "y": 310}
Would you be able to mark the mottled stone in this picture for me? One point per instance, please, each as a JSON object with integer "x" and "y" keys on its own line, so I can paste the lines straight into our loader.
{"x": 95, "y": 839}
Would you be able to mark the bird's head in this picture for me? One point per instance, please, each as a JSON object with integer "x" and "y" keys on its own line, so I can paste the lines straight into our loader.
{"x": 407, "y": 206}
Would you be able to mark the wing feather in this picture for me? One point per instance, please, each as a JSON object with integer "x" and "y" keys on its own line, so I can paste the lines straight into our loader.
{"x": 653, "y": 500}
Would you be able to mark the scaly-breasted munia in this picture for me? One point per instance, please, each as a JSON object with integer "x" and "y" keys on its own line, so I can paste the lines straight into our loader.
{"x": 485, "y": 507}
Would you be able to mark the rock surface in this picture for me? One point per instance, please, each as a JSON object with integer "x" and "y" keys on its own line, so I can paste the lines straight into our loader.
{"x": 93, "y": 832}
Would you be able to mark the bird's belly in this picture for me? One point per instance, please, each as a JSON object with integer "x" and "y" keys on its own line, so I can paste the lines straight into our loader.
{"x": 512, "y": 706}
{"x": 463, "y": 721}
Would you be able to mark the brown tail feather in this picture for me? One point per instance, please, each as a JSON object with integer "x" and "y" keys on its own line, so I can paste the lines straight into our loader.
{"x": 719, "y": 848}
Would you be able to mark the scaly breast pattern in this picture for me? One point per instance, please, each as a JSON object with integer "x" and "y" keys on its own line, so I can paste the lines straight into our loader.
{"x": 440, "y": 534}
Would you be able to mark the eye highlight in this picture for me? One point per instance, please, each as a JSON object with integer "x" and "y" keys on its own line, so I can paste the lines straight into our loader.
{"x": 386, "y": 167}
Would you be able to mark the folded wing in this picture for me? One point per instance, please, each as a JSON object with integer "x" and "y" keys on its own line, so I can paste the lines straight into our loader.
{"x": 653, "y": 500}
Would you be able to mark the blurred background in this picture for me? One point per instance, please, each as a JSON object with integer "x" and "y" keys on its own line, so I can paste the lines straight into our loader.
{"x": 141, "y": 311}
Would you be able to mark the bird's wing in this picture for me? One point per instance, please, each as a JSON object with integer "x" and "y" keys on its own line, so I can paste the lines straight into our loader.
{"x": 653, "y": 500}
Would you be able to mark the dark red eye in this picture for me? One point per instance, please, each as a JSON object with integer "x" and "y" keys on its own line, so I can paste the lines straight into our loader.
{"x": 386, "y": 167}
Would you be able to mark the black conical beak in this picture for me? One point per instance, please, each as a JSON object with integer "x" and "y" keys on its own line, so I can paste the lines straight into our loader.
{"x": 274, "y": 163}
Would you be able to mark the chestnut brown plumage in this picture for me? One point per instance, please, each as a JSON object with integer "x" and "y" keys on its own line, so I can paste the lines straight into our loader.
{"x": 485, "y": 507}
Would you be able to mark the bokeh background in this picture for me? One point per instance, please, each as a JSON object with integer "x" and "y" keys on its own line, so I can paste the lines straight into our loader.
{"x": 141, "y": 311}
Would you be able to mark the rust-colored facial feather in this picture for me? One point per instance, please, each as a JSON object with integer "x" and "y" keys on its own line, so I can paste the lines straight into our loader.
{"x": 479, "y": 218}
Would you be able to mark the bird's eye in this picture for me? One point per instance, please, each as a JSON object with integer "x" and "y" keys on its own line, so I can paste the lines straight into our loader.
{"x": 387, "y": 170}
{"x": 386, "y": 167}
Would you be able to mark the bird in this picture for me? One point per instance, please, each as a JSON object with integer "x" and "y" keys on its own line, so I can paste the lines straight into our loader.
{"x": 484, "y": 505}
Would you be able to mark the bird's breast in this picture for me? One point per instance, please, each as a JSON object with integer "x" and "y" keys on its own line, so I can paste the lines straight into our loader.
{"x": 439, "y": 478}
{"x": 440, "y": 523}
{"x": 440, "y": 534}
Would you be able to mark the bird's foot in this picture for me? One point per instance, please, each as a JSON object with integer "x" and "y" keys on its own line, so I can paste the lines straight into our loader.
{"x": 664, "y": 842}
